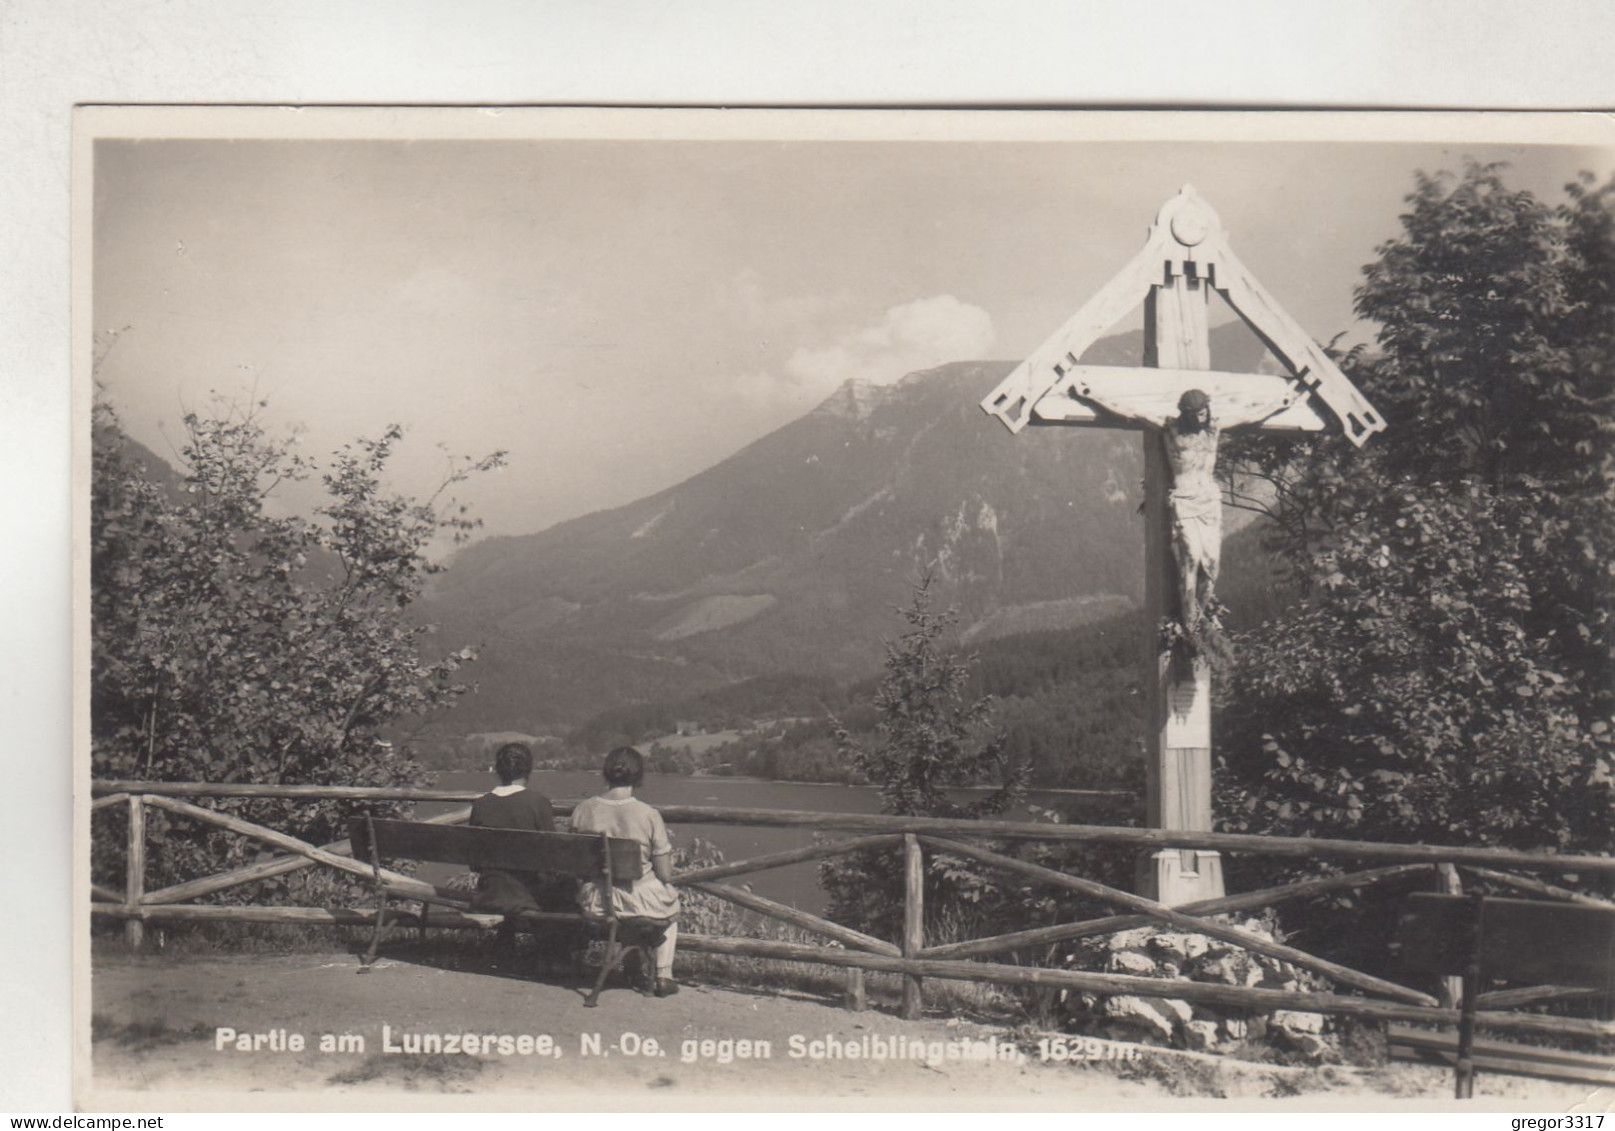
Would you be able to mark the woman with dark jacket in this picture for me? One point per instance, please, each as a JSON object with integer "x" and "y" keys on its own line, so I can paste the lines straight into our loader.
{"x": 511, "y": 805}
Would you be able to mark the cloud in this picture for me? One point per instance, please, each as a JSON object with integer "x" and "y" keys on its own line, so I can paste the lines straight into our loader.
{"x": 917, "y": 335}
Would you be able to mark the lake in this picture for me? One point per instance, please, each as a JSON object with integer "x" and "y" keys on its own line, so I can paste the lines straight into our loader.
{"x": 795, "y": 884}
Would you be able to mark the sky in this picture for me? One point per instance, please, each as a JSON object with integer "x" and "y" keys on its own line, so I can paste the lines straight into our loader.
{"x": 619, "y": 315}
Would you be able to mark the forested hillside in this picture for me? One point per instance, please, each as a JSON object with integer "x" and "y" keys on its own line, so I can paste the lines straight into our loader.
{"x": 1067, "y": 700}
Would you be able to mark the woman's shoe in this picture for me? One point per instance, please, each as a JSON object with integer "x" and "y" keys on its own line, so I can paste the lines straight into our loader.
{"x": 666, "y": 987}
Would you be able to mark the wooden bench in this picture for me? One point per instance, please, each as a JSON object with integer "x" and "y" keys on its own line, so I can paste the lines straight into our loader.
{"x": 608, "y": 860}
{"x": 1534, "y": 942}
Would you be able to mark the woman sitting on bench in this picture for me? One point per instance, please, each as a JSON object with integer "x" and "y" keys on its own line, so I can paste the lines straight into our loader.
{"x": 512, "y": 805}
{"x": 618, "y": 813}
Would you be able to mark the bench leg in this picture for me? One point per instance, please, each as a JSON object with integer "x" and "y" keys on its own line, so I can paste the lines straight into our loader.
{"x": 647, "y": 941}
{"x": 426, "y": 910}
{"x": 646, "y": 956}
{"x": 613, "y": 956}
{"x": 381, "y": 925}
{"x": 504, "y": 936}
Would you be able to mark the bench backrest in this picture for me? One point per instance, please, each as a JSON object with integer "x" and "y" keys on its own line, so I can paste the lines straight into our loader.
{"x": 1521, "y": 940}
{"x": 570, "y": 854}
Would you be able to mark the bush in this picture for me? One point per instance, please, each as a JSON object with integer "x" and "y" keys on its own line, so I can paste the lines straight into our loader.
{"x": 229, "y": 644}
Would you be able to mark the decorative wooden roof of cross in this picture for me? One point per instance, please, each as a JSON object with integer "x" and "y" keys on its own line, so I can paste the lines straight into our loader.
{"x": 1187, "y": 239}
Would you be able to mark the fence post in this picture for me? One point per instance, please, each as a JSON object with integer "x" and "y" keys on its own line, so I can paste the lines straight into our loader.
{"x": 854, "y": 998}
{"x": 1464, "y": 1085}
{"x": 913, "y": 922}
{"x": 134, "y": 885}
{"x": 1449, "y": 991}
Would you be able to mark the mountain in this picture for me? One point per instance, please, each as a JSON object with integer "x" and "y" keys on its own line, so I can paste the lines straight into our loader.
{"x": 793, "y": 554}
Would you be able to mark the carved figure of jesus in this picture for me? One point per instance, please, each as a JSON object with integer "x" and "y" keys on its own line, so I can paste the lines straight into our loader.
{"x": 1195, "y": 496}
{"x": 1196, "y": 504}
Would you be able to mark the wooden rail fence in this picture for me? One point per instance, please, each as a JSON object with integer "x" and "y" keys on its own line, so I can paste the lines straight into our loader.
{"x": 910, "y": 957}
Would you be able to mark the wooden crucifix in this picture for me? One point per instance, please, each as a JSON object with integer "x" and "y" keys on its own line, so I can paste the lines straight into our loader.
{"x": 1182, "y": 406}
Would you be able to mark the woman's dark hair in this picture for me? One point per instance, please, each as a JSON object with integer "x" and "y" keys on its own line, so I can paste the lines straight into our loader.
{"x": 624, "y": 766}
{"x": 513, "y": 762}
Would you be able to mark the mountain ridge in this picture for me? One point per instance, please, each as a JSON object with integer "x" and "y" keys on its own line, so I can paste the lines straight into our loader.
{"x": 793, "y": 553}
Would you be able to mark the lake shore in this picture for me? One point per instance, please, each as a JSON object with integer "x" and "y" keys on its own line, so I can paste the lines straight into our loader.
{"x": 1099, "y": 793}
{"x": 796, "y": 885}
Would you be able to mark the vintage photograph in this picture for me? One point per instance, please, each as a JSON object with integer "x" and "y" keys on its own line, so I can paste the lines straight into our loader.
{"x": 650, "y": 609}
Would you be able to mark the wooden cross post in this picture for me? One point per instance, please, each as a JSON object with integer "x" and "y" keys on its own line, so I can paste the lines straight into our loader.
{"x": 1177, "y": 726}
{"x": 1182, "y": 406}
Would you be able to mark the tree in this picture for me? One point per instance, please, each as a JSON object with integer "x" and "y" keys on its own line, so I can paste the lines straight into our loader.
{"x": 1448, "y": 675}
{"x": 1407, "y": 700}
{"x": 932, "y": 738}
{"x": 231, "y": 644}
{"x": 931, "y": 733}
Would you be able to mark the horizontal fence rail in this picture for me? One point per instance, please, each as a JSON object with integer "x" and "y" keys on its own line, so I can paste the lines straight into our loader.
{"x": 408, "y": 793}
{"x": 1298, "y": 847}
{"x": 909, "y": 839}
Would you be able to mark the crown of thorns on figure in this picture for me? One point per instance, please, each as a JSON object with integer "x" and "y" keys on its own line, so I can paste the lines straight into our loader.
{"x": 1193, "y": 401}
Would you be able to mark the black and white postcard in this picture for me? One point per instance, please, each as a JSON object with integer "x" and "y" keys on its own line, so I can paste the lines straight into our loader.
{"x": 692, "y": 609}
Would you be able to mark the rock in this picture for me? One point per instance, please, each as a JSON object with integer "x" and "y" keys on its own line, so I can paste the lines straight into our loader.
{"x": 1315, "y": 1048}
{"x": 1293, "y": 1021}
{"x": 1200, "y": 1035}
{"x": 1136, "y": 939}
{"x": 1179, "y": 1011}
{"x": 1280, "y": 975}
{"x": 1140, "y": 1012}
{"x": 1131, "y": 962}
{"x": 1232, "y": 968}
{"x": 1132, "y": 1032}
{"x": 1185, "y": 955}
{"x": 1180, "y": 946}
{"x": 1171, "y": 945}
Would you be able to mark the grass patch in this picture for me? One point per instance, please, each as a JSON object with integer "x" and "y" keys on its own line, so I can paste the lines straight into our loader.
{"x": 201, "y": 939}
{"x": 1177, "y": 1076}
{"x": 144, "y": 1036}
{"x": 414, "y": 1071}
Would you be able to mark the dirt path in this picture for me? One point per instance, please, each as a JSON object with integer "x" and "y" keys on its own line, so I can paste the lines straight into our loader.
{"x": 163, "y": 1039}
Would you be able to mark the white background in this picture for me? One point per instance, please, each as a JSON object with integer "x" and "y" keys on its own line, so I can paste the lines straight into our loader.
{"x": 943, "y": 53}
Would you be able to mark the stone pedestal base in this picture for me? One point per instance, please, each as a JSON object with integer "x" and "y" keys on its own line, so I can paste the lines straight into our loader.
{"x": 1175, "y": 876}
